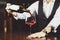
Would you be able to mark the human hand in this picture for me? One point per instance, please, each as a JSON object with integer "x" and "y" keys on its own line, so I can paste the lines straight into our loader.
{"x": 40, "y": 34}
{"x": 7, "y": 8}
{"x": 37, "y": 35}
{"x": 47, "y": 29}
{"x": 11, "y": 7}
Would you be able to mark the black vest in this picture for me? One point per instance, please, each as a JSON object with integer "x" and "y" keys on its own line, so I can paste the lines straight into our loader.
{"x": 42, "y": 21}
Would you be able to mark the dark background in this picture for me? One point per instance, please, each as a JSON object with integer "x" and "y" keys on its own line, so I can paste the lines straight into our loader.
{"x": 17, "y": 25}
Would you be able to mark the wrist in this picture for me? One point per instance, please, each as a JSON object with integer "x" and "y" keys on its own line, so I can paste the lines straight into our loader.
{"x": 47, "y": 29}
{"x": 14, "y": 14}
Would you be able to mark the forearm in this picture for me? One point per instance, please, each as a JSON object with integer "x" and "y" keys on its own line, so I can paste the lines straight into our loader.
{"x": 23, "y": 15}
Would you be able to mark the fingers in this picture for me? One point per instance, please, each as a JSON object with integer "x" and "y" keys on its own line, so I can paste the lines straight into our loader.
{"x": 9, "y": 11}
{"x": 48, "y": 29}
{"x": 7, "y": 7}
{"x": 36, "y": 35}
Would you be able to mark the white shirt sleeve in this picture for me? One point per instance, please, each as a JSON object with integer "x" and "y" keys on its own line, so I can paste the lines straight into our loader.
{"x": 34, "y": 7}
{"x": 14, "y": 7}
{"x": 22, "y": 15}
{"x": 25, "y": 15}
{"x": 56, "y": 20}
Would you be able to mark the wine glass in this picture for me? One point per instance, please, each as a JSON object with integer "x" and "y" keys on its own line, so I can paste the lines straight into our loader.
{"x": 30, "y": 21}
